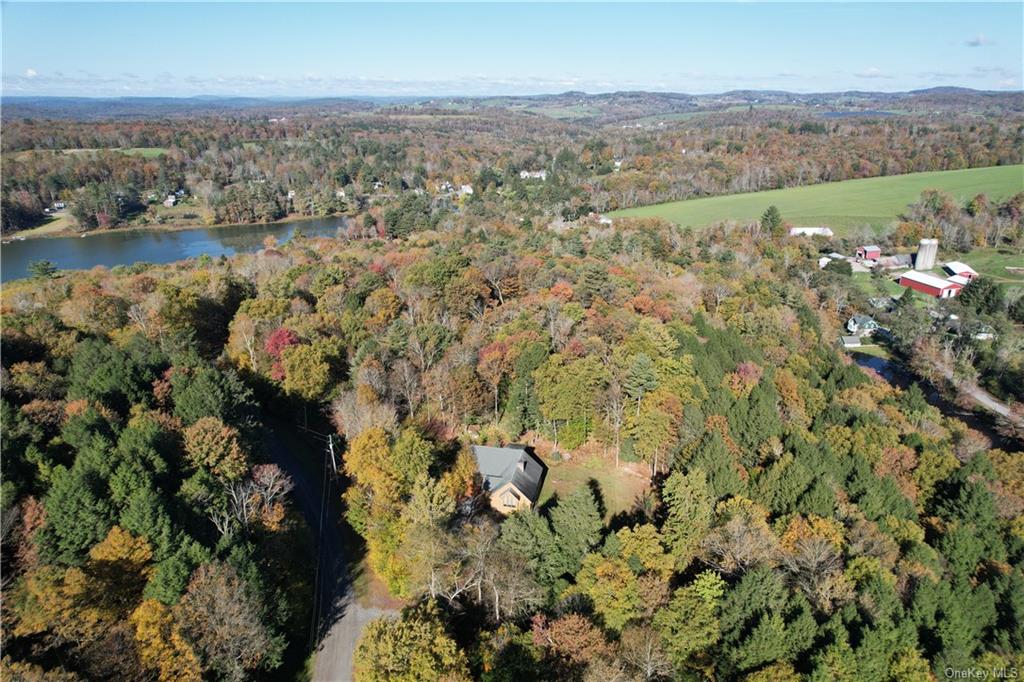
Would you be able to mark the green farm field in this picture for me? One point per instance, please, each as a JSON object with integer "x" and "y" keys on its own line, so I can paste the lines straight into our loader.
{"x": 1001, "y": 265}
{"x": 145, "y": 152}
{"x": 843, "y": 206}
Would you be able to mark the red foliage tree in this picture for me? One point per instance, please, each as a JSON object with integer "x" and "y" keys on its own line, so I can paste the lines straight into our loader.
{"x": 278, "y": 340}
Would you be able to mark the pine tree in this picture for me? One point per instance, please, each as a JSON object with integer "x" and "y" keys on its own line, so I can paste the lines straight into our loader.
{"x": 689, "y": 509}
{"x": 771, "y": 221}
{"x": 714, "y": 458}
{"x": 641, "y": 378}
{"x": 576, "y": 523}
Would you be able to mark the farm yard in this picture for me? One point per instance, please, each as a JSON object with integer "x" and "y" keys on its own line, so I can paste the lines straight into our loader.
{"x": 843, "y": 206}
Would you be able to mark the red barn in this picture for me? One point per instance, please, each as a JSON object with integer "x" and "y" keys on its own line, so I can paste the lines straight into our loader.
{"x": 869, "y": 252}
{"x": 930, "y": 284}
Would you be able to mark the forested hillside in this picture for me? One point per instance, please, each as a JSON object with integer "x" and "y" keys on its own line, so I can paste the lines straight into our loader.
{"x": 400, "y": 168}
{"x": 800, "y": 518}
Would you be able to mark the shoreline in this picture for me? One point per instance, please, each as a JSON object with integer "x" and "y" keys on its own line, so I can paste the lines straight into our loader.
{"x": 294, "y": 218}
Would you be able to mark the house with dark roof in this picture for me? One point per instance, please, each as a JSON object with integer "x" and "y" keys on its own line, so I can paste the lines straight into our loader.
{"x": 862, "y": 325}
{"x": 512, "y": 476}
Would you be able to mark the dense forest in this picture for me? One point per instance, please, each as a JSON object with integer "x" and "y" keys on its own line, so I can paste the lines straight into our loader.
{"x": 397, "y": 168}
{"x": 800, "y": 518}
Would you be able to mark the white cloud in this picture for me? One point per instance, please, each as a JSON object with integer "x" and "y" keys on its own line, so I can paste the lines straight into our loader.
{"x": 1008, "y": 83}
{"x": 977, "y": 41}
{"x": 872, "y": 72}
{"x": 31, "y": 73}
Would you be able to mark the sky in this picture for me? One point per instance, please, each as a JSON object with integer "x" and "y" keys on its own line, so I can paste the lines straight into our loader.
{"x": 321, "y": 49}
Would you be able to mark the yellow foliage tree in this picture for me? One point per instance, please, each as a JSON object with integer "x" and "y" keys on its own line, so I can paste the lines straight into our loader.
{"x": 161, "y": 646}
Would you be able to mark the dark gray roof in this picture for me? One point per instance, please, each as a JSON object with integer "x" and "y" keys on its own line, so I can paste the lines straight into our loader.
{"x": 515, "y": 463}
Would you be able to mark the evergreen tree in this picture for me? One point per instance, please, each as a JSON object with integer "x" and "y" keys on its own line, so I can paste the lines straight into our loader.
{"x": 982, "y": 295}
{"x": 641, "y": 378}
{"x": 576, "y": 524}
{"x": 689, "y": 507}
{"x": 771, "y": 221}
{"x": 723, "y": 474}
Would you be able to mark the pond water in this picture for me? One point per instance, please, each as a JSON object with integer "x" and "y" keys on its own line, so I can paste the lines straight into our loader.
{"x": 124, "y": 247}
{"x": 896, "y": 375}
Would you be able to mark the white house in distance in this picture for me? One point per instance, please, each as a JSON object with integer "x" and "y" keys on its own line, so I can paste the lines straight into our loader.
{"x": 811, "y": 232}
{"x": 465, "y": 190}
{"x": 170, "y": 200}
{"x": 862, "y": 325}
{"x": 541, "y": 175}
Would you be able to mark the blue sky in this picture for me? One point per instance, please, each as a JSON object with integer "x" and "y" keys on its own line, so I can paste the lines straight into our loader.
{"x": 269, "y": 49}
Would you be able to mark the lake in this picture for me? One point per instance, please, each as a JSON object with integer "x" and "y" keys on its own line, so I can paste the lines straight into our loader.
{"x": 124, "y": 247}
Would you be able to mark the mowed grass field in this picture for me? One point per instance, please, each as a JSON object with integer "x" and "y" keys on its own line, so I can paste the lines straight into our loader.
{"x": 843, "y": 206}
{"x": 145, "y": 152}
{"x": 1001, "y": 265}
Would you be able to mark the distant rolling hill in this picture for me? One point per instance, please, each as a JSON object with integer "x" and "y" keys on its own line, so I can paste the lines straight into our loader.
{"x": 843, "y": 206}
{"x": 600, "y": 108}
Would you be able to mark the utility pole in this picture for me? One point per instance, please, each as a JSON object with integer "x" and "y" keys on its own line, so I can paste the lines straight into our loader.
{"x": 334, "y": 459}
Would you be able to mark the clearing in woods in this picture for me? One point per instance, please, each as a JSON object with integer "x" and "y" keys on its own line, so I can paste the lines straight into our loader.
{"x": 843, "y": 206}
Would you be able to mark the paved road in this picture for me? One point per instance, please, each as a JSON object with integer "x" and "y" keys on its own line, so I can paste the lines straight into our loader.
{"x": 341, "y": 618}
{"x": 986, "y": 399}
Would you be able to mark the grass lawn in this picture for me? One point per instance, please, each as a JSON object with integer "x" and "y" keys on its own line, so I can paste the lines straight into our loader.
{"x": 620, "y": 488}
{"x": 59, "y": 223}
{"x": 843, "y": 206}
{"x": 874, "y": 351}
{"x": 866, "y": 283}
{"x": 993, "y": 263}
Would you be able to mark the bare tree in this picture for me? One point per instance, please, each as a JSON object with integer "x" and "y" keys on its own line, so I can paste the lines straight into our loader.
{"x": 405, "y": 382}
{"x": 739, "y": 544}
{"x": 350, "y": 417}
{"x": 218, "y": 616}
{"x": 815, "y": 567}
{"x": 642, "y": 650}
{"x": 615, "y": 411}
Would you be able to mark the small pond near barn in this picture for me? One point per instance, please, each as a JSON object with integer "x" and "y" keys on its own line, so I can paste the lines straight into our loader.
{"x": 898, "y": 376}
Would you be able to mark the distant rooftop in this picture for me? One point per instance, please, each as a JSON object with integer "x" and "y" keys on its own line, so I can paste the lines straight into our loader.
{"x": 958, "y": 268}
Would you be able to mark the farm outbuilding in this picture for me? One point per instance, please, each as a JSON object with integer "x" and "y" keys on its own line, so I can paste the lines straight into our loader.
{"x": 869, "y": 252}
{"x": 810, "y": 232}
{"x": 955, "y": 267}
{"x": 929, "y": 284}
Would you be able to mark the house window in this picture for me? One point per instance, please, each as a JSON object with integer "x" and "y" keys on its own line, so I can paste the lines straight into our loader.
{"x": 508, "y": 499}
